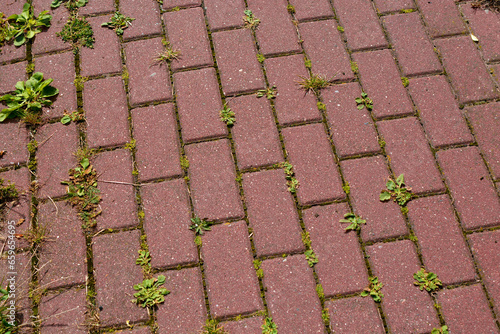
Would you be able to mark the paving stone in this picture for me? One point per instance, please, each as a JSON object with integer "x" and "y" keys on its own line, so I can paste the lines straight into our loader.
{"x": 223, "y": 14}
{"x": 148, "y": 82}
{"x": 292, "y": 104}
{"x": 61, "y": 68}
{"x": 386, "y": 6}
{"x": 291, "y": 295}
{"x": 467, "y": 72}
{"x": 410, "y": 154}
{"x": 147, "y": 18}
{"x": 352, "y": 130}
{"x": 341, "y": 267}
{"x": 231, "y": 280}
{"x": 237, "y": 61}
{"x": 472, "y": 192}
{"x": 414, "y": 51}
{"x": 326, "y": 50}
{"x": 442, "y": 244}
{"x": 366, "y": 178}
{"x": 136, "y": 330}
{"x": 119, "y": 208}
{"x": 244, "y": 326}
{"x": 10, "y": 52}
{"x": 486, "y": 249}
{"x": 116, "y": 273}
{"x": 362, "y": 29}
{"x": 485, "y": 25}
{"x": 14, "y": 140}
{"x": 57, "y": 144}
{"x": 495, "y": 71}
{"x": 312, "y": 9}
{"x": 170, "y": 4}
{"x": 98, "y": 7}
{"x": 106, "y": 112}
{"x": 354, "y": 315}
{"x": 271, "y": 213}
{"x": 21, "y": 209}
{"x": 185, "y": 312}
{"x": 314, "y": 165}
{"x": 438, "y": 110}
{"x": 64, "y": 312}
{"x": 486, "y": 122}
{"x": 199, "y": 104}
{"x": 394, "y": 264}
{"x": 381, "y": 81}
{"x": 442, "y": 17}
{"x": 157, "y": 145}
{"x": 254, "y": 133}
{"x": 47, "y": 40}
{"x": 214, "y": 190}
{"x": 10, "y": 74}
{"x": 105, "y": 57}
{"x": 275, "y": 32}
{"x": 11, "y": 7}
{"x": 187, "y": 33}
{"x": 166, "y": 223}
{"x": 63, "y": 258}
{"x": 466, "y": 310}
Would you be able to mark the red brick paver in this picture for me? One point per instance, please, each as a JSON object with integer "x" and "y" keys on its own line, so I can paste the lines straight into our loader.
{"x": 64, "y": 312}
{"x": 384, "y": 6}
{"x": 146, "y": 16}
{"x": 354, "y": 314}
{"x": 485, "y": 25}
{"x": 223, "y": 14}
{"x": 245, "y": 326}
{"x": 311, "y": 9}
{"x": 442, "y": 18}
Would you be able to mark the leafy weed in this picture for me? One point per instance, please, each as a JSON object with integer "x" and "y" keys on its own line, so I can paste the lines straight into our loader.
{"x": 150, "y": 292}
{"x": 251, "y": 22}
{"x": 269, "y": 93}
{"x": 8, "y": 192}
{"x": 314, "y": 83}
{"x": 213, "y": 327}
{"x": 78, "y": 32}
{"x": 364, "y": 101}
{"x": 269, "y": 327}
{"x": 396, "y": 190}
{"x": 7, "y": 326}
{"x": 72, "y": 5}
{"x": 118, "y": 23}
{"x": 427, "y": 280}
{"x": 354, "y": 221}
{"x": 441, "y": 330}
{"x": 199, "y": 226}
{"x": 291, "y": 181}
{"x": 169, "y": 54}
{"x": 75, "y": 116}
{"x": 227, "y": 116}
{"x": 373, "y": 290}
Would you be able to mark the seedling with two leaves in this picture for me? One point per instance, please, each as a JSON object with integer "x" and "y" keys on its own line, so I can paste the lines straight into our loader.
{"x": 364, "y": 101}
{"x": 396, "y": 190}
{"x": 427, "y": 280}
{"x": 150, "y": 292}
{"x": 354, "y": 221}
{"x": 118, "y": 23}
{"x": 373, "y": 290}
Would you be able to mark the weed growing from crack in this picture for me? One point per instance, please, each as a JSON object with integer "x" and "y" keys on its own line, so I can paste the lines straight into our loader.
{"x": 321, "y": 106}
{"x": 405, "y": 81}
{"x": 150, "y": 292}
{"x": 227, "y": 116}
{"x": 396, "y": 190}
{"x": 291, "y": 9}
{"x": 373, "y": 289}
{"x": 354, "y": 67}
{"x": 75, "y": 116}
{"x": 72, "y": 5}
{"x": 269, "y": 93}
{"x": 8, "y": 192}
{"x": 291, "y": 181}
{"x": 354, "y": 221}
{"x": 118, "y": 23}
{"x": 184, "y": 162}
{"x": 37, "y": 235}
{"x": 314, "y": 83}
{"x": 269, "y": 327}
{"x": 441, "y": 330}
{"x": 212, "y": 327}
{"x": 256, "y": 264}
{"x": 488, "y": 4}
{"x": 144, "y": 260}
{"x": 78, "y": 32}
{"x": 364, "y": 101}
{"x": 325, "y": 315}
{"x": 199, "y": 226}
{"x": 311, "y": 257}
{"x": 168, "y": 55}
{"x": 251, "y": 22}
{"x": 7, "y": 326}
{"x": 427, "y": 280}
{"x": 340, "y": 28}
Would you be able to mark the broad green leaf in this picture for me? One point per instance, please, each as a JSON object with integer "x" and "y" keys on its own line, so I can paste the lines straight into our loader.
{"x": 20, "y": 85}
{"x": 30, "y": 34}
{"x": 390, "y": 185}
{"x": 85, "y": 163}
{"x": 49, "y": 91}
{"x": 66, "y": 119}
{"x": 38, "y": 76}
{"x": 20, "y": 39}
{"x": 56, "y": 3}
{"x": 361, "y": 106}
{"x": 400, "y": 180}
{"x": 385, "y": 195}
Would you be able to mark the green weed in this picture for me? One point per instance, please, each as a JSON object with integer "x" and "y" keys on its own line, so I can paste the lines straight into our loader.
{"x": 373, "y": 290}
{"x": 78, "y": 32}
{"x": 340, "y": 28}
{"x": 269, "y": 327}
{"x": 405, "y": 81}
{"x": 291, "y": 181}
{"x": 256, "y": 264}
{"x": 269, "y": 93}
{"x": 427, "y": 280}
{"x": 354, "y": 221}
{"x": 291, "y": 9}
{"x": 441, "y": 330}
{"x": 184, "y": 162}
{"x": 8, "y": 192}
{"x": 7, "y": 325}
{"x": 354, "y": 67}
{"x": 227, "y": 116}
{"x": 150, "y": 292}
{"x": 321, "y": 106}
{"x": 213, "y": 327}
{"x": 251, "y": 22}
{"x": 364, "y": 101}
{"x": 396, "y": 190}
{"x": 199, "y": 226}
{"x": 314, "y": 83}
{"x": 260, "y": 57}
{"x": 72, "y": 5}
{"x": 168, "y": 55}
{"x": 75, "y": 116}
{"x": 118, "y": 23}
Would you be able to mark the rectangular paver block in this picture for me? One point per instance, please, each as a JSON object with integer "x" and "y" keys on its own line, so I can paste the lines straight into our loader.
{"x": 414, "y": 51}
{"x": 199, "y": 104}
{"x": 292, "y": 104}
{"x": 366, "y": 178}
{"x": 341, "y": 267}
{"x": 442, "y": 17}
{"x": 394, "y": 264}
{"x": 352, "y": 129}
{"x": 214, "y": 190}
{"x": 166, "y": 223}
{"x": 170, "y": 4}
{"x": 187, "y": 34}
{"x": 98, "y": 7}
{"x": 14, "y": 141}
{"x": 157, "y": 142}
{"x": 149, "y": 80}
{"x": 116, "y": 273}
{"x": 385, "y": 6}
{"x": 146, "y": 14}
{"x": 48, "y": 41}
{"x": 439, "y": 110}
{"x": 485, "y": 25}
{"x": 236, "y": 56}
{"x": 469, "y": 76}
{"x": 354, "y": 315}
{"x": 381, "y": 81}
{"x": 254, "y": 133}
{"x": 223, "y": 14}
{"x": 311, "y": 9}
{"x": 64, "y": 312}
{"x": 271, "y": 213}
{"x": 244, "y": 326}
{"x": 471, "y": 189}
{"x": 442, "y": 244}
{"x": 10, "y": 74}
{"x": 231, "y": 280}
{"x": 326, "y": 50}
{"x": 291, "y": 295}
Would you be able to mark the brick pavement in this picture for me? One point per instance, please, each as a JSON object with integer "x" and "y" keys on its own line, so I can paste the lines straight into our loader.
{"x": 163, "y": 157}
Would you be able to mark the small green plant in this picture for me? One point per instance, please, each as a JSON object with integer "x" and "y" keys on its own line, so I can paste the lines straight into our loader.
{"x": 70, "y": 4}
{"x": 37, "y": 235}
{"x": 405, "y": 81}
{"x": 8, "y": 192}
{"x": 251, "y": 22}
{"x": 291, "y": 9}
{"x": 354, "y": 221}
{"x": 291, "y": 181}
{"x": 22, "y": 27}
{"x": 347, "y": 188}
{"x": 306, "y": 239}
{"x": 227, "y": 116}
{"x": 184, "y": 162}
{"x": 269, "y": 93}
{"x": 373, "y": 290}
{"x": 314, "y": 83}
{"x": 118, "y": 23}
{"x": 440, "y": 330}
{"x": 340, "y": 28}
{"x": 427, "y": 280}
{"x": 321, "y": 106}
{"x": 144, "y": 258}
{"x": 7, "y": 326}
{"x": 199, "y": 226}
{"x": 150, "y": 292}
{"x": 354, "y": 67}
{"x": 83, "y": 193}
{"x": 311, "y": 257}
{"x": 78, "y": 32}
{"x": 27, "y": 100}
{"x": 212, "y": 327}
{"x": 405, "y": 11}
{"x": 364, "y": 101}
{"x": 260, "y": 57}
{"x": 168, "y": 55}
{"x": 320, "y": 292}
{"x": 75, "y": 116}
{"x": 256, "y": 264}
{"x": 307, "y": 62}
{"x": 269, "y": 327}
{"x": 396, "y": 190}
